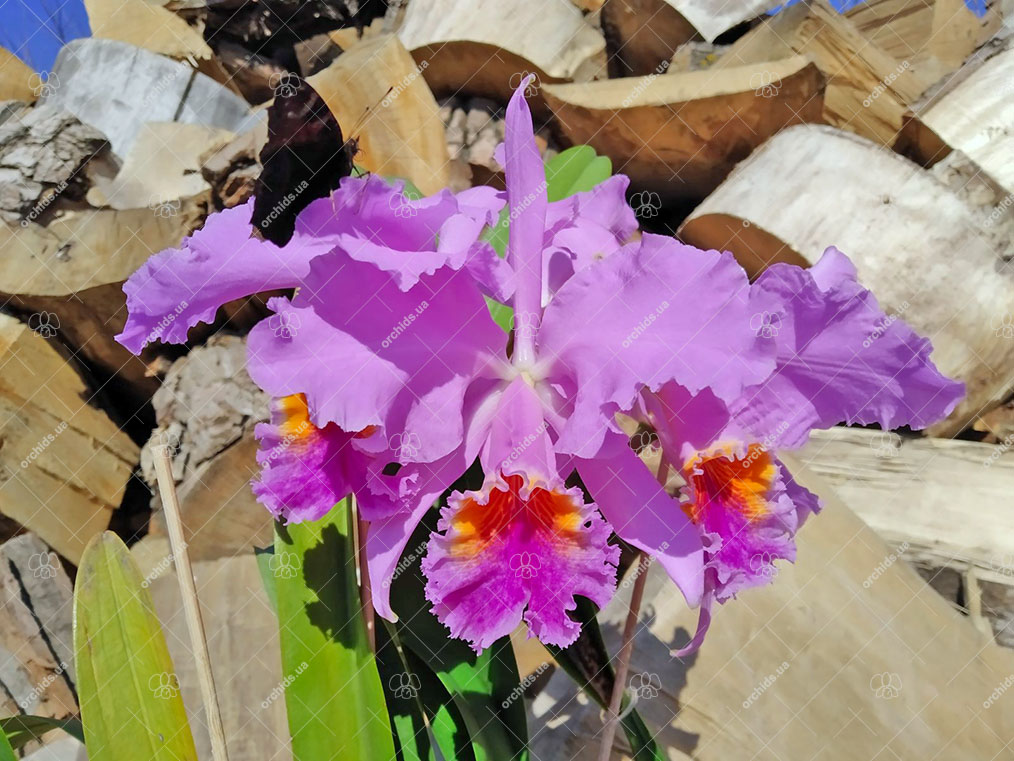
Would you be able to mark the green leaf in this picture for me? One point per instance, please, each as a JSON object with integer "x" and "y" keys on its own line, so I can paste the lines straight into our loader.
{"x": 575, "y": 170}
{"x": 265, "y": 559}
{"x": 6, "y": 751}
{"x": 333, "y": 695}
{"x": 130, "y": 702}
{"x": 587, "y": 663}
{"x": 484, "y": 687}
{"x": 24, "y": 728}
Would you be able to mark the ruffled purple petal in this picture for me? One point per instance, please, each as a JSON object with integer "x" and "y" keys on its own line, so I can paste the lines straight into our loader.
{"x": 651, "y": 313}
{"x": 839, "y": 357}
{"x": 642, "y": 514}
{"x": 305, "y": 470}
{"x": 181, "y": 287}
{"x": 510, "y": 553}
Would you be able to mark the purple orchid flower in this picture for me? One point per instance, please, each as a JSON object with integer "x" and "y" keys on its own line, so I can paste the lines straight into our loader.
{"x": 391, "y": 378}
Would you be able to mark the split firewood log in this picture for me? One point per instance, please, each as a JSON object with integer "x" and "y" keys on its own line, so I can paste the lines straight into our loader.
{"x": 973, "y": 114}
{"x": 379, "y": 96}
{"x": 868, "y": 90}
{"x": 162, "y": 167}
{"x": 847, "y": 616}
{"x": 17, "y": 80}
{"x": 149, "y": 88}
{"x": 926, "y": 253}
{"x": 680, "y": 134}
{"x": 486, "y": 47}
{"x": 642, "y": 36}
{"x": 935, "y": 37}
{"x": 146, "y": 25}
{"x": 64, "y": 464}
{"x": 72, "y": 271}
{"x": 206, "y": 411}
{"x": 37, "y": 673}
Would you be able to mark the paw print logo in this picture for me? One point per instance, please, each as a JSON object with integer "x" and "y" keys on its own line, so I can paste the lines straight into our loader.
{"x": 164, "y": 207}
{"x": 766, "y": 324}
{"x": 765, "y": 84}
{"x": 401, "y": 205}
{"x": 646, "y": 204}
{"x": 284, "y": 324}
{"x": 1005, "y": 327}
{"x": 646, "y": 686}
{"x": 404, "y": 685}
{"x": 285, "y": 84}
{"x": 43, "y": 565}
{"x": 763, "y": 564}
{"x": 44, "y": 323}
{"x": 525, "y": 565}
{"x": 519, "y": 77}
{"x": 886, "y": 685}
{"x": 284, "y": 565}
{"x": 886, "y": 444}
{"x": 405, "y": 445}
{"x": 526, "y": 324}
{"x": 164, "y": 686}
{"x": 44, "y": 84}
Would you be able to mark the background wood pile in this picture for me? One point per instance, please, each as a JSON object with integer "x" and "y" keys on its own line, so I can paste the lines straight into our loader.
{"x": 887, "y": 131}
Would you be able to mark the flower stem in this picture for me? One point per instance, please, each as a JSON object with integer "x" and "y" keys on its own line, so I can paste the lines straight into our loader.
{"x": 365, "y": 588}
{"x": 623, "y": 659}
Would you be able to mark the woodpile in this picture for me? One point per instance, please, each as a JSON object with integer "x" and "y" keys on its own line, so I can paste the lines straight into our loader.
{"x": 884, "y": 131}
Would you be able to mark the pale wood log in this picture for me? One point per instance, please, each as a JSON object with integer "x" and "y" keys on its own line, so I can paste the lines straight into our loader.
{"x": 73, "y": 269}
{"x": 868, "y": 91}
{"x": 711, "y": 19}
{"x": 16, "y": 78}
{"x": 848, "y": 619}
{"x": 927, "y": 254}
{"x": 485, "y": 47}
{"x": 974, "y": 116}
{"x": 146, "y": 25}
{"x": 162, "y": 167}
{"x": 148, "y": 87}
{"x": 64, "y": 463}
{"x": 680, "y": 134}
{"x": 379, "y": 97}
{"x": 36, "y": 644}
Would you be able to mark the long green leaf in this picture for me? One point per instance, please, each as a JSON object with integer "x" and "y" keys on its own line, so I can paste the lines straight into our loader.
{"x": 130, "y": 702}
{"x": 483, "y": 686}
{"x": 587, "y": 663}
{"x": 333, "y": 695}
{"x": 24, "y": 728}
{"x": 6, "y": 751}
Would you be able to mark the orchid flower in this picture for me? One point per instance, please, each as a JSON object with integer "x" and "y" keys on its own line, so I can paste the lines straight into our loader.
{"x": 838, "y": 358}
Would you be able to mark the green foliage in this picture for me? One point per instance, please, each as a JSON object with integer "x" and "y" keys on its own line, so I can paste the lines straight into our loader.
{"x": 334, "y": 697}
{"x": 24, "y": 728}
{"x": 130, "y": 702}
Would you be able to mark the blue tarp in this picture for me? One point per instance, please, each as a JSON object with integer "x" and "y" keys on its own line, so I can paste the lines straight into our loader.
{"x": 978, "y": 7}
{"x": 35, "y": 30}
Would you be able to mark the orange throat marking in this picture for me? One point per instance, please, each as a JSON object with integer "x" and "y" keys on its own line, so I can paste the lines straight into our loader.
{"x": 720, "y": 479}
{"x": 478, "y": 525}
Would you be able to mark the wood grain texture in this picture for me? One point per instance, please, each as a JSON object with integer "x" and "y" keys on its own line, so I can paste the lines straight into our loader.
{"x": 680, "y": 134}
{"x": 63, "y": 464}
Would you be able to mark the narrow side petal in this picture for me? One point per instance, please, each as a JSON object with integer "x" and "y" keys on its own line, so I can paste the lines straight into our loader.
{"x": 642, "y": 514}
